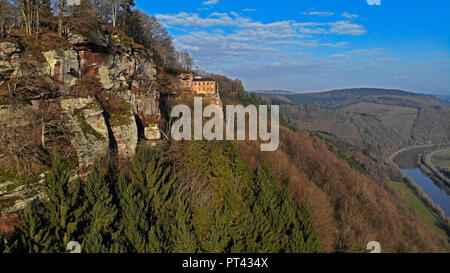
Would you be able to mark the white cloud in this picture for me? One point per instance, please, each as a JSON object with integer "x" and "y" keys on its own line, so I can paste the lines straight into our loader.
{"x": 233, "y": 19}
{"x": 319, "y": 13}
{"x": 344, "y": 27}
{"x": 362, "y": 52}
{"x": 221, "y": 40}
{"x": 340, "y": 44}
{"x": 349, "y": 16}
{"x": 339, "y": 56}
{"x": 431, "y": 65}
{"x": 387, "y": 60}
{"x": 312, "y": 43}
{"x": 194, "y": 20}
{"x": 235, "y": 14}
{"x": 210, "y": 2}
{"x": 289, "y": 68}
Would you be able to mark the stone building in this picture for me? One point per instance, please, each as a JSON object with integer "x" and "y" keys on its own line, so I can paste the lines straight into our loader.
{"x": 197, "y": 85}
{"x": 205, "y": 86}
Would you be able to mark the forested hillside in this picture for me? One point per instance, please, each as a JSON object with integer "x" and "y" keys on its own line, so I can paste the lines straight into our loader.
{"x": 364, "y": 131}
{"x": 215, "y": 204}
{"x": 85, "y": 97}
{"x": 383, "y": 119}
{"x": 346, "y": 189}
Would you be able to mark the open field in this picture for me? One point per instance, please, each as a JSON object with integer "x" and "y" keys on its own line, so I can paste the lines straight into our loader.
{"x": 442, "y": 160}
{"x": 414, "y": 203}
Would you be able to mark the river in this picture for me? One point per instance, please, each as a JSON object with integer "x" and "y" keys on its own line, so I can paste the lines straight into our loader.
{"x": 436, "y": 194}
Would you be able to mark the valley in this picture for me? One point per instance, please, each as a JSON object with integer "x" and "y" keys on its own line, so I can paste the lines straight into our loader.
{"x": 401, "y": 117}
{"x": 411, "y": 131}
{"x": 112, "y": 135}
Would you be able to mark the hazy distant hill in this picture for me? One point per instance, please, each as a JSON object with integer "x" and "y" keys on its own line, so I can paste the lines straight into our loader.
{"x": 446, "y": 98}
{"x": 344, "y": 97}
{"x": 364, "y": 131}
{"x": 277, "y": 92}
{"x": 406, "y": 117}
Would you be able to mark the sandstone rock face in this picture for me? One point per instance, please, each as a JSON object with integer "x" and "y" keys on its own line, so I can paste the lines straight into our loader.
{"x": 90, "y": 133}
{"x": 118, "y": 67}
{"x": 127, "y": 70}
{"x": 63, "y": 66}
{"x": 125, "y": 131}
{"x": 126, "y": 137}
{"x": 8, "y": 59}
{"x": 74, "y": 118}
{"x": 18, "y": 196}
{"x": 124, "y": 67}
{"x": 146, "y": 106}
{"x": 152, "y": 132}
{"x": 92, "y": 37}
{"x": 9, "y": 48}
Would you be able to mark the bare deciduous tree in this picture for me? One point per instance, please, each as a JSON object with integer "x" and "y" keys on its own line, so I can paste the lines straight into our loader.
{"x": 155, "y": 37}
{"x": 8, "y": 15}
{"x": 185, "y": 60}
{"x": 62, "y": 8}
{"x": 115, "y": 5}
{"x": 30, "y": 15}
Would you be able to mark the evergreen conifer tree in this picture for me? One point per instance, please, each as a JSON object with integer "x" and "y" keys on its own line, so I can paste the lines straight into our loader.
{"x": 134, "y": 225}
{"x": 101, "y": 213}
{"x": 64, "y": 207}
{"x": 184, "y": 239}
{"x": 33, "y": 236}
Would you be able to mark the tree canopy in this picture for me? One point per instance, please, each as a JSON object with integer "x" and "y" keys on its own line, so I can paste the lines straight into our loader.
{"x": 143, "y": 211}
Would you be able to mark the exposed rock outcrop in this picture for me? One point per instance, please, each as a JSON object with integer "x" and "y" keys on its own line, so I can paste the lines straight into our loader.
{"x": 89, "y": 96}
{"x": 89, "y": 130}
{"x": 8, "y": 61}
{"x": 63, "y": 66}
{"x": 124, "y": 129}
{"x": 146, "y": 107}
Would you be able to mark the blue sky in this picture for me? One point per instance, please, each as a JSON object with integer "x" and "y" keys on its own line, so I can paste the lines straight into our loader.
{"x": 315, "y": 45}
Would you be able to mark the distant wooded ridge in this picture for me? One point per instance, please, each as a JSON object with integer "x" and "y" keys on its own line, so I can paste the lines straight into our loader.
{"x": 348, "y": 92}
{"x": 274, "y": 92}
{"x": 371, "y": 118}
{"x": 362, "y": 91}
{"x": 446, "y": 98}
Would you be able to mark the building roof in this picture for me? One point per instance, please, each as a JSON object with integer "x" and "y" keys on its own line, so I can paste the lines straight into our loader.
{"x": 204, "y": 80}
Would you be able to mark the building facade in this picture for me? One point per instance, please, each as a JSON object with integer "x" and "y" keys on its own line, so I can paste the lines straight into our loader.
{"x": 197, "y": 85}
{"x": 205, "y": 86}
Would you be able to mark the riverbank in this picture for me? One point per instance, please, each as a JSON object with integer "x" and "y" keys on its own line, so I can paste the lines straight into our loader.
{"x": 437, "y": 212}
{"x": 426, "y": 165}
{"x": 409, "y": 158}
{"x": 419, "y": 208}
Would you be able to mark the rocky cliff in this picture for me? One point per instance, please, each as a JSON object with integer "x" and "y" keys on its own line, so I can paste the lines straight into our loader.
{"x": 90, "y": 96}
